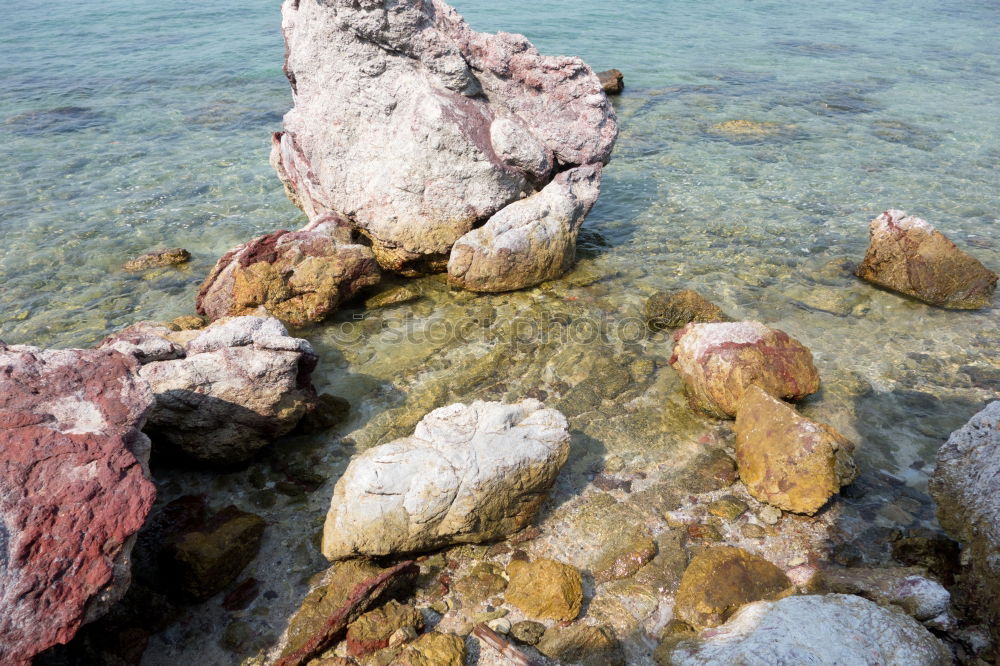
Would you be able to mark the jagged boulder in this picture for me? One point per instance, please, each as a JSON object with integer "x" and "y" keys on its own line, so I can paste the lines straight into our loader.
{"x": 224, "y": 391}
{"x": 469, "y": 473}
{"x": 297, "y": 276}
{"x": 418, "y": 129}
{"x": 74, "y": 490}
{"x": 908, "y": 255}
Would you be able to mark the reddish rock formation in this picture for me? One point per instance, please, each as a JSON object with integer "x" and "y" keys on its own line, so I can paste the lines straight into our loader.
{"x": 908, "y": 255}
{"x": 73, "y": 490}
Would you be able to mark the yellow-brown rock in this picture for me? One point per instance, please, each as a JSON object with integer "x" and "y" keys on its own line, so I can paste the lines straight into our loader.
{"x": 786, "y": 460}
{"x": 372, "y": 631}
{"x": 545, "y": 589}
{"x": 718, "y": 581}
{"x": 433, "y": 649}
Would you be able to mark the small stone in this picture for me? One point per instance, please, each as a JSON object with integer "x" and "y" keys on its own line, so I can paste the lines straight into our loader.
{"x": 623, "y": 561}
{"x": 582, "y": 645}
{"x": 614, "y": 464}
{"x": 612, "y": 81}
{"x": 394, "y": 296}
{"x": 189, "y": 322}
{"x": 433, "y": 649}
{"x": 728, "y": 507}
{"x": 501, "y": 625}
{"x": 704, "y": 532}
{"x": 402, "y": 635}
{"x": 330, "y": 411}
{"x": 372, "y": 631}
{"x": 527, "y": 631}
{"x": 751, "y": 531}
{"x": 673, "y": 309}
{"x": 718, "y": 581}
{"x": 545, "y": 589}
{"x": 483, "y": 582}
{"x": 769, "y": 515}
{"x": 172, "y": 257}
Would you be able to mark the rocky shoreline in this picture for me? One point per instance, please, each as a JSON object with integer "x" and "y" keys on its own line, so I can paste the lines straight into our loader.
{"x": 491, "y": 520}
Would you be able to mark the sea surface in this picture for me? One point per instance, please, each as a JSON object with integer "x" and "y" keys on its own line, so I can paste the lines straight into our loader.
{"x": 131, "y": 126}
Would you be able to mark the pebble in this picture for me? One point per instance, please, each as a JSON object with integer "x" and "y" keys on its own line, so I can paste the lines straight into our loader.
{"x": 769, "y": 515}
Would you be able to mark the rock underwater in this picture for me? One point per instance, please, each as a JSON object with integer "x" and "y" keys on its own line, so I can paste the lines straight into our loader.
{"x": 469, "y": 473}
{"x": 224, "y": 391}
{"x": 418, "y": 130}
{"x": 74, "y": 490}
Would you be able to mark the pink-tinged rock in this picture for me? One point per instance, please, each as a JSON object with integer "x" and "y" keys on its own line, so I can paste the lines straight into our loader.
{"x": 418, "y": 129}
{"x": 224, "y": 391}
{"x": 530, "y": 241}
{"x": 718, "y": 361}
{"x": 297, "y": 276}
{"x": 908, "y": 255}
{"x": 74, "y": 490}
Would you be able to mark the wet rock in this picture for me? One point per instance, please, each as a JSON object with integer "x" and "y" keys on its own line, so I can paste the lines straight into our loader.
{"x": 394, "y": 296}
{"x": 242, "y": 595}
{"x": 372, "y": 631}
{"x": 528, "y": 632}
{"x": 330, "y": 411}
{"x": 966, "y": 487}
{"x": 74, "y": 490}
{"x": 826, "y": 630}
{"x": 172, "y": 257}
{"x": 484, "y": 581}
{"x": 298, "y": 277}
{"x": 674, "y": 309}
{"x": 434, "y": 649}
{"x": 908, "y": 255}
{"x": 545, "y": 589}
{"x": 936, "y": 553}
{"x": 786, "y": 460}
{"x": 905, "y": 587}
{"x": 453, "y": 125}
{"x": 623, "y": 560}
{"x": 751, "y": 531}
{"x": 612, "y": 81}
{"x": 718, "y": 581}
{"x": 672, "y": 634}
{"x": 719, "y": 361}
{"x": 769, "y": 515}
{"x": 225, "y": 391}
{"x": 188, "y": 322}
{"x": 529, "y": 241}
{"x": 208, "y": 559}
{"x": 469, "y": 473}
{"x": 728, "y": 507}
{"x": 583, "y": 645}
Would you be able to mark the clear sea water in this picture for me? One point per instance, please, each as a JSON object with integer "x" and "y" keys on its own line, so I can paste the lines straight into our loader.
{"x": 130, "y": 126}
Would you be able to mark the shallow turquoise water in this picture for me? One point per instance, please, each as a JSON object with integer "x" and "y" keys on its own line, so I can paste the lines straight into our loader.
{"x": 131, "y": 126}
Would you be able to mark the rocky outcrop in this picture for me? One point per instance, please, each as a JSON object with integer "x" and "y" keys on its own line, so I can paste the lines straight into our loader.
{"x": 786, "y": 460}
{"x": 157, "y": 259}
{"x": 826, "y": 630}
{"x": 673, "y": 309}
{"x": 74, "y": 490}
{"x": 966, "y": 487}
{"x": 469, "y": 473}
{"x": 531, "y": 240}
{"x": 718, "y": 361}
{"x": 418, "y": 129}
{"x": 545, "y": 589}
{"x": 908, "y": 255}
{"x": 298, "y": 277}
{"x": 224, "y": 391}
{"x": 718, "y": 581}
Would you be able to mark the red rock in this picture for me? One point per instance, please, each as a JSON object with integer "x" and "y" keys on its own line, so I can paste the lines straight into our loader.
{"x": 74, "y": 489}
{"x": 718, "y": 361}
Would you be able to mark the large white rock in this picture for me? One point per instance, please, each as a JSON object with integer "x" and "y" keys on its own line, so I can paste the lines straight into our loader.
{"x": 469, "y": 473}
{"x": 819, "y": 630}
{"x": 966, "y": 486}
{"x": 417, "y": 128}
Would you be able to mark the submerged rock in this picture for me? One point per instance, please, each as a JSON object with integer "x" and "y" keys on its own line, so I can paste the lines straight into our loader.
{"x": 786, "y": 460}
{"x": 828, "y": 630}
{"x": 623, "y": 560}
{"x": 718, "y": 581}
{"x": 172, "y": 257}
{"x": 372, "y": 631}
{"x": 528, "y": 632}
{"x": 224, "y": 391}
{"x": 74, "y": 490}
{"x": 966, "y": 487}
{"x": 907, "y": 588}
{"x": 545, "y": 589}
{"x": 673, "y": 309}
{"x": 908, "y": 255}
{"x": 299, "y": 277}
{"x": 612, "y": 81}
{"x": 718, "y": 361}
{"x": 451, "y": 125}
{"x": 469, "y": 473}
{"x": 583, "y": 645}
{"x": 394, "y": 296}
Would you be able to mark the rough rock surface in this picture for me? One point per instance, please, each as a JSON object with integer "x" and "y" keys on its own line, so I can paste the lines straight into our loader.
{"x": 718, "y": 581}
{"x": 673, "y": 309}
{"x": 908, "y": 588}
{"x": 172, "y": 257}
{"x": 545, "y": 589}
{"x": 786, "y": 460}
{"x": 530, "y": 241}
{"x": 469, "y": 473}
{"x": 908, "y": 255}
{"x": 827, "y": 630}
{"x": 417, "y": 129}
{"x": 582, "y": 645}
{"x": 74, "y": 490}
{"x": 966, "y": 487}
{"x": 224, "y": 391}
{"x": 612, "y": 81}
{"x": 718, "y": 361}
{"x": 297, "y": 276}
{"x": 371, "y": 631}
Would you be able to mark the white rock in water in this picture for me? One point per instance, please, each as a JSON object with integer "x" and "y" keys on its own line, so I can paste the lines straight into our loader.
{"x": 819, "y": 630}
{"x": 469, "y": 473}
